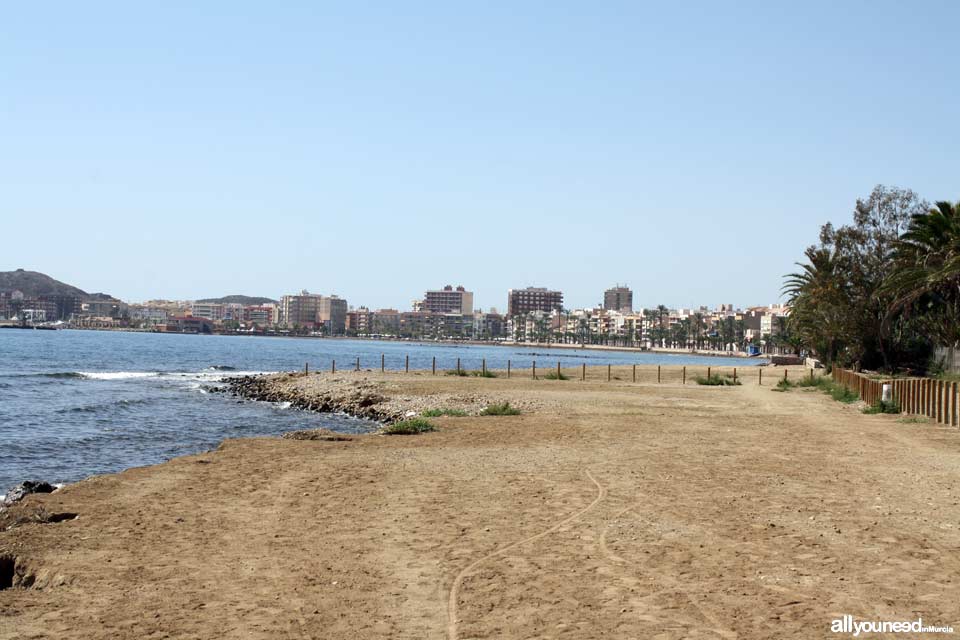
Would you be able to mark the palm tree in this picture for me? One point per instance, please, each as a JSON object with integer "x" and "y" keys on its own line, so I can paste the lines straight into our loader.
{"x": 926, "y": 276}
{"x": 819, "y": 303}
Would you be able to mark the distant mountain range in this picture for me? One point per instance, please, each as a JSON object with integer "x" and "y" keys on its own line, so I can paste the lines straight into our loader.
{"x": 238, "y": 299}
{"x": 34, "y": 284}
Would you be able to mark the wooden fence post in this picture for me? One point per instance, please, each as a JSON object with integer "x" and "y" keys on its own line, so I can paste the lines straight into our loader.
{"x": 708, "y": 373}
{"x": 760, "y": 376}
{"x": 333, "y": 366}
{"x": 953, "y": 421}
{"x": 658, "y": 374}
{"x": 583, "y": 372}
{"x": 634, "y": 373}
{"x": 383, "y": 363}
{"x": 785, "y": 372}
{"x": 684, "y": 375}
{"x": 508, "y": 369}
{"x": 558, "y": 369}
{"x": 483, "y": 366}
{"x": 734, "y": 375}
{"x": 406, "y": 364}
{"x": 458, "y": 366}
{"x": 434, "y": 366}
{"x": 358, "y": 363}
{"x": 608, "y": 373}
{"x": 939, "y": 401}
{"x": 306, "y": 368}
{"x": 534, "y": 369}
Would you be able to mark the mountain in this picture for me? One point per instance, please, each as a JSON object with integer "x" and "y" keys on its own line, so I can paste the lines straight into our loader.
{"x": 238, "y": 299}
{"x": 34, "y": 283}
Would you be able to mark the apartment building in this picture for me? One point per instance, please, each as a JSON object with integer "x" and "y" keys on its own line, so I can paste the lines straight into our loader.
{"x": 532, "y": 299}
{"x": 448, "y": 300}
{"x": 618, "y": 298}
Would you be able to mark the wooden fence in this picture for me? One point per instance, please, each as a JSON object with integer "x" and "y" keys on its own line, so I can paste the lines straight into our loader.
{"x": 935, "y": 399}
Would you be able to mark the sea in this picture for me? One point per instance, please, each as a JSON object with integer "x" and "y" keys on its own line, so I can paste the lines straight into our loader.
{"x": 78, "y": 403}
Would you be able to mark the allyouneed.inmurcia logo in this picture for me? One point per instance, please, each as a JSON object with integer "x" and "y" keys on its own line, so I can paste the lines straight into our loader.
{"x": 847, "y": 624}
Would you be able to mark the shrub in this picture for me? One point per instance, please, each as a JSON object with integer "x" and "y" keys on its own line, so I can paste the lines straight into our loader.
{"x": 883, "y": 407}
{"x": 840, "y": 393}
{"x": 458, "y": 372}
{"x": 784, "y": 385}
{"x": 503, "y": 409}
{"x": 483, "y": 374}
{"x": 716, "y": 380}
{"x": 436, "y": 413}
{"x": 409, "y": 427}
{"x": 553, "y": 375}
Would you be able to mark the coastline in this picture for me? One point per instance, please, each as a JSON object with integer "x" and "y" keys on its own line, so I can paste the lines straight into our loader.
{"x": 478, "y": 343}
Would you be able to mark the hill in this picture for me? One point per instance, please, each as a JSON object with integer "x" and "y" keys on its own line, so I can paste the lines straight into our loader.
{"x": 34, "y": 283}
{"x": 238, "y": 299}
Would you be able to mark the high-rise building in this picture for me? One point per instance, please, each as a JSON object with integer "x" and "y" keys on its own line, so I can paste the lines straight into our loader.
{"x": 332, "y": 314}
{"x": 618, "y": 298}
{"x": 312, "y": 310}
{"x": 448, "y": 300}
{"x": 523, "y": 301}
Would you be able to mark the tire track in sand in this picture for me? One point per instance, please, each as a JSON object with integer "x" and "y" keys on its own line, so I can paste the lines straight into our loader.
{"x": 452, "y": 601}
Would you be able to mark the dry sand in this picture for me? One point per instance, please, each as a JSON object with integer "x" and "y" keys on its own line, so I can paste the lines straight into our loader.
{"x": 606, "y": 510}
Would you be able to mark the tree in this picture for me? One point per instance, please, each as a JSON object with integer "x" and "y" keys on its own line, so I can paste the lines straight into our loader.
{"x": 925, "y": 281}
{"x": 839, "y": 308}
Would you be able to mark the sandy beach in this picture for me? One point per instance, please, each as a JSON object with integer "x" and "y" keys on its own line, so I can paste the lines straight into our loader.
{"x": 612, "y": 509}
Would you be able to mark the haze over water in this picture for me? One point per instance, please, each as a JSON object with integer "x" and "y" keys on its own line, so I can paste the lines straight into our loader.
{"x": 78, "y": 403}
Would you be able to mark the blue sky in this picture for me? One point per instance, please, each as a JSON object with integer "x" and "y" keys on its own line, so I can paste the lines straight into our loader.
{"x": 377, "y": 150}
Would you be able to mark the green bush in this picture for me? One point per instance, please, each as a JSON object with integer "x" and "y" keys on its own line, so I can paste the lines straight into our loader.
{"x": 883, "y": 407}
{"x": 436, "y": 413}
{"x": 458, "y": 372}
{"x": 483, "y": 374}
{"x": 553, "y": 375}
{"x": 409, "y": 427}
{"x": 784, "y": 385}
{"x": 503, "y": 409}
{"x": 840, "y": 393}
{"x": 716, "y": 380}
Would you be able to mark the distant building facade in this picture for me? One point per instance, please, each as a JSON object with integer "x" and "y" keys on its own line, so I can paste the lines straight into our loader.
{"x": 448, "y": 300}
{"x": 313, "y": 311}
{"x": 532, "y": 299}
{"x": 619, "y": 298}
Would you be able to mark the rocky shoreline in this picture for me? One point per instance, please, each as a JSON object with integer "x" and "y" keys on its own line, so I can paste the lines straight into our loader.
{"x": 363, "y": 395}
{"x": 359, "y": 400}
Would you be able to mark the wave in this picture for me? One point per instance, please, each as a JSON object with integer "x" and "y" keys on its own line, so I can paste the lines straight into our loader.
{"x": 118, "y": 375}
{"x": 211, "y": 374}
{"x": 96, "y": 408}
{"x": 222, "y": 367}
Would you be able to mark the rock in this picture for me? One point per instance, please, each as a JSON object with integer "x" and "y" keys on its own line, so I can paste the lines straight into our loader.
{"x": 315, "y": 434}
{"x": 27, "y": 487}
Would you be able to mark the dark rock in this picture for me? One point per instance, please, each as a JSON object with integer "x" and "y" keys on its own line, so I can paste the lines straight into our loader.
{"x": 27, "y": 487}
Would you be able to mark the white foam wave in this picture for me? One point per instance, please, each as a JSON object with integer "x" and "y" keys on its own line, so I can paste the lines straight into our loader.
{"x": 200, "y": 376}
{"x": 118, "y": 375}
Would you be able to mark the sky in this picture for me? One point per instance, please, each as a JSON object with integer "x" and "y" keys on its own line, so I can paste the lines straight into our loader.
{"x": 375, "y": 150}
